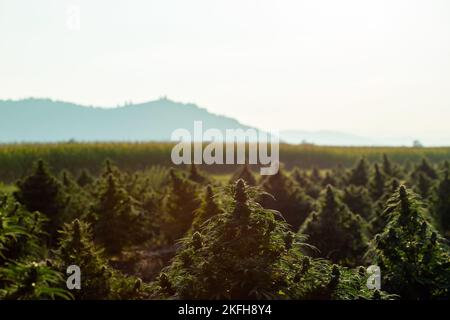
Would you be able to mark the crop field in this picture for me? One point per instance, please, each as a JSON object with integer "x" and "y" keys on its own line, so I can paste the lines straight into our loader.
{"x": 16, "y": 159}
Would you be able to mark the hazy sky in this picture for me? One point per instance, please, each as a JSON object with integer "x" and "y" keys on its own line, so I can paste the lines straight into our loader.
{"x": 365, "y": 67}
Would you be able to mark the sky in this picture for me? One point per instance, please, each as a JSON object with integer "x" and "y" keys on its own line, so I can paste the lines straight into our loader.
{"x": 372, "y": 68}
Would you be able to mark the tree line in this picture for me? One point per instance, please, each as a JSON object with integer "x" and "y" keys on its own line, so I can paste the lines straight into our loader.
{"x": 17, "y": 159}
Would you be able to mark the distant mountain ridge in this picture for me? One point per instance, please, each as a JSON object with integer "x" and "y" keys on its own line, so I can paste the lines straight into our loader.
{"x": 45, "y": 120}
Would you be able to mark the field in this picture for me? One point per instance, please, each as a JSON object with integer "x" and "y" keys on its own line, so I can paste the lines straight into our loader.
{"x": 17, "y": 159}
{"x": 137, "y": 227}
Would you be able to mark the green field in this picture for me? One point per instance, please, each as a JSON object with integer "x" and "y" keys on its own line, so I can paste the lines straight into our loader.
{"x": 140, "y": 230}
{"x": 16, "y": 159}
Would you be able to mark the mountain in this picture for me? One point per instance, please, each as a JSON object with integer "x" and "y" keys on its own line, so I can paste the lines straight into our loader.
{"x": 45, "y": 120}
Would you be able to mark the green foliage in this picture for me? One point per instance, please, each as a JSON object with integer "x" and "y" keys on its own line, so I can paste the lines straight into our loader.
{"x": 128, "y": 288}
{"x": 335, "y": 230}
{"x": 359, "y": 176}
{"x": 339, "y": 175}
{"x": 67, "y": 180}
{"x": 316, "y": 176}
{"x": 244, "y": 174}
{"x": 283, "y": 196}
{"x": 246, "y": 253}
{"x": 329, "y": 180}
{"x": 426, "y": 168}
{"x": 441, "y": 203}
{"x": 42, "y": 192}
{"x": 304, "y": 182}
{"x": 414, "y": 261}
{"x": 22, "y": 276}
{"x": 99, "y": 280}
{"x": 154, "y": 179}
{"x": 379, "y": 219}
{"x": 377, "y": 183}
{"x": 358, "y": 201}
{"x": 116, "y": 217}
{"x": 208, "y": 209}
{"x": 21, "y": 233}
{"x": 387, "y": 166}
{"x": 85, "y": 178}
{"x": 78, "y": 200}
{"x": 16, "y": 159}
{"x": 31, "y": 281}
{"x": 179, "y": 206}
{"x": 197, "y": 176}
{"x": 76, "y": 247}
{"x": 424, "y": 185}
{"x": 235, "y": 242}
{"x": 110, "y": 169}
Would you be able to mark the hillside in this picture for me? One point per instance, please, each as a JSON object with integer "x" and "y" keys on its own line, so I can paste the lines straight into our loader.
{"x": 44, "y": 120}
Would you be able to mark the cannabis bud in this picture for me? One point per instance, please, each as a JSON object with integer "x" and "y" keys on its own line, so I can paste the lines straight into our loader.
{"x": 197, "y": 240}
{"x": 137, "y": 285}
